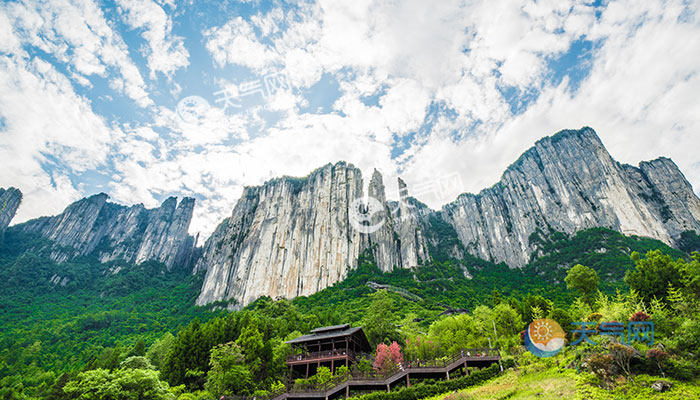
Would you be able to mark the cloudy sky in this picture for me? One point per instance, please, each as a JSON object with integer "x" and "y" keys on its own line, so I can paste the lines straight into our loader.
{"x": 146, "y": 99}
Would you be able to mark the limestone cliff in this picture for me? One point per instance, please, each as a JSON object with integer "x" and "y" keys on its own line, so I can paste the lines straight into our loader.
{"x": 9, "y": 202}
{"x": 94, "y": 226}
{"x": 569, "y": 182}
{"x": 296, "y": 236}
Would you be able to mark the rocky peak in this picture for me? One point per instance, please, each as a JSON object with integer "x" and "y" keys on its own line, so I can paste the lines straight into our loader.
{"x": 10, "y": 200}
{"x": 295, "y": 236}
{"x": 569, "y": 182}
{"x": 94, "y": 226}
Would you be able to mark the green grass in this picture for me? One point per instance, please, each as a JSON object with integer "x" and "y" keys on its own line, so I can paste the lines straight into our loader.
{"x": 542, "y": 381}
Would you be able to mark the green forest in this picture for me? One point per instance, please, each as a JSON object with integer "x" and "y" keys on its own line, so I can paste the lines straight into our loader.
{"x": 87, "y": 330}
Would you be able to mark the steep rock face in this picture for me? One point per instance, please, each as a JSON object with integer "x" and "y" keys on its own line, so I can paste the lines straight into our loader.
{"x": 295, "y": 236}
{"x": 9, "y": 202}
{"x": 93, "y": 226}
{"x": 399, "y": 242}
{"x": 569, "y": 182}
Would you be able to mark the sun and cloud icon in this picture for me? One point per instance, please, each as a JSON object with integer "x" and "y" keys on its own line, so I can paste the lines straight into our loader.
{"x": 544, "y": 337}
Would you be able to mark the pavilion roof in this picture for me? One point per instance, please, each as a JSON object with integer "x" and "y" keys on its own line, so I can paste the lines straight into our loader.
{"x": 331, "y": 332}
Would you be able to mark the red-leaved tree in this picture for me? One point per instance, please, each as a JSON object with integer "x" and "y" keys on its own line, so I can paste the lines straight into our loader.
{"x": 396, "y": 354}
{"x": 387, "y": 357}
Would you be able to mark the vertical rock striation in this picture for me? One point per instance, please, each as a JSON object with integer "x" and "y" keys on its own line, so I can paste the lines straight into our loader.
{"x": 293, "y": 236}
{"x": 93, "y": 226}
{"x": 9, "y": 202}
{"x": 569, "y": 182}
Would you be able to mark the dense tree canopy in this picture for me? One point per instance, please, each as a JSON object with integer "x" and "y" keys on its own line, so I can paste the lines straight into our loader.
{"x": 139, "y": 340}
{"x": 583, "y": 279}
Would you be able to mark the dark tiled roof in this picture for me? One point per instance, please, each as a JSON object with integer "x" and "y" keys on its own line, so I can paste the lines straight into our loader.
{"x": 326, "y": 334}
{"x": 330, "y": 328}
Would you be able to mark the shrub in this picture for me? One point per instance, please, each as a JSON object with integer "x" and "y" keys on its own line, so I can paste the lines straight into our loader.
{"x": 640, "y": 316}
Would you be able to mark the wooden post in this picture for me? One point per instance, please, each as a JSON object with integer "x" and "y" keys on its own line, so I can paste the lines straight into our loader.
{"x": 448, "y": 375}
{"x": 307, "y": 370}
{"x": 408, "y": 380}
{"x": 347, "y": 391}
{"x": 388, "y": 389}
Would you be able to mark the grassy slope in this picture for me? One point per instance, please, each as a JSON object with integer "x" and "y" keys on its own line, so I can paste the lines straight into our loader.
{"x": 545, "y": 381}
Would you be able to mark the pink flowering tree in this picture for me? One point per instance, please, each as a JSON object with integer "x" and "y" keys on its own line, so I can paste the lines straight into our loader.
{"x": 387, "y": 357}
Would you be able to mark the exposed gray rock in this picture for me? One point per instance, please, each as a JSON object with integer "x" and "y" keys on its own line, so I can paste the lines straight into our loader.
{"x": 661, "y": 385}
{"x": 569, "y": 182}
{"x": 93, "y": 226}
{"x": 293, "y": 236}
{"x": 9, "y": 202}
{"x": 399, "y": 242}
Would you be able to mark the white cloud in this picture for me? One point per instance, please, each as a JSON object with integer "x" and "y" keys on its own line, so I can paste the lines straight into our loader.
{"x": 413, "y": 56}
{"x": 166, "y": 52}
{"x": 461, "y": 54}
{"x": 45, "y": 122}
{"x": 77, "y": 34}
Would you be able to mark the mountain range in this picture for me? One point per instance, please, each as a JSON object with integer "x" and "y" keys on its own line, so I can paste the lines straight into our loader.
{"x": 296, "y": 236}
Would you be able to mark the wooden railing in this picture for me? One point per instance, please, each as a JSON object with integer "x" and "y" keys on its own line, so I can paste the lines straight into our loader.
{"x": 321, "y": 355}
{"x": 468, "y": 354}
{"x": 319, "y": 388}
{"x": 445, "y": 361}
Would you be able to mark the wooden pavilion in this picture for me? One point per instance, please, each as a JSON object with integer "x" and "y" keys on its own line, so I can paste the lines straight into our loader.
{"x": 329, "y": 346}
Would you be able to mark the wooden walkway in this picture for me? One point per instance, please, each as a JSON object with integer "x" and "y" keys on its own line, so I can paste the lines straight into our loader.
{"x": 413, "y": 371}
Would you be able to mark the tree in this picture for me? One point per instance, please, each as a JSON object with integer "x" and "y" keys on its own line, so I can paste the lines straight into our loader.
{"x": 251, "y": 344}
{"x": 139, "y": 349}
{"x": 452, "y": 334}
{"x": 188, "y": 358}
{"x": 136, "y": 362}
{"x": 56, "y": 392}
{"x": 158, "y": 351}
{"x": 112, "y": 361}
{"x": 323, "y": 376}
{"x": 228, "y": 374}
{"x": 562, "y": 317}
{"x": 127, "y": 384}
{"x": 380, "y": 320}
{"x": 387, "y": 357}
{"x": 583, "y": 279}
{"x": 691, "y": 274}
{"x": 508, "y": 322}
{"x": 652, "y": 275}
{"x": 536, "y": 302}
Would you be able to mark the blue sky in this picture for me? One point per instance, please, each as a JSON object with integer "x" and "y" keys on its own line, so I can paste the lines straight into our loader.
{"x": 147, "y": 99}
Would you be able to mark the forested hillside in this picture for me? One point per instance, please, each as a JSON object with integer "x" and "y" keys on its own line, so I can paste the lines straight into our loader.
{"x": 67, "y": 322}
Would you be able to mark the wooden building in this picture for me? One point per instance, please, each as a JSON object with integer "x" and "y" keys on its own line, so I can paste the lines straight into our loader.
{"x": 329, "y": 346}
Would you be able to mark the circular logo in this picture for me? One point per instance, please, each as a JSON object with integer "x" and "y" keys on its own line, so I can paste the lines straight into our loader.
{"x": 362, "y": 213}
{"x": 192, "y": 109}
{"x": 544, "y": 337}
